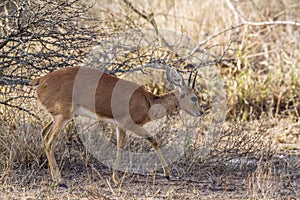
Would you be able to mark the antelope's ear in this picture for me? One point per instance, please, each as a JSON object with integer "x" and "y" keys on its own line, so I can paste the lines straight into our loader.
{"x": 175, "y": 77}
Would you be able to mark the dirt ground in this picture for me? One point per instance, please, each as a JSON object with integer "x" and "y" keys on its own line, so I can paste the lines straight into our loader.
{"x": 278, "y": 179}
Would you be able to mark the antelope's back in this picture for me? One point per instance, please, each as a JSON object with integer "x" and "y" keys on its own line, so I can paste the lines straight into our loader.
{"x": 67, "y": 90}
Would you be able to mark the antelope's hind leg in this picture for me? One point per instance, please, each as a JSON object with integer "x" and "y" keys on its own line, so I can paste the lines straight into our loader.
{"x": 49, "y": 134}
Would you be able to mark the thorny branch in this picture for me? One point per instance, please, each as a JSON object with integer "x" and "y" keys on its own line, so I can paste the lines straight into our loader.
{"x": 41, "y": 36}
{"x": 38, "y": 37}
{"x": 149, "y": 18}
{"x": 244, "y": 23}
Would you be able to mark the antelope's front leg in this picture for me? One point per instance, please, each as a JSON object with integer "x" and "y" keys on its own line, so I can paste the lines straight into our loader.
{"x": 121, "y": 141}
{"x": 140, "y": 131}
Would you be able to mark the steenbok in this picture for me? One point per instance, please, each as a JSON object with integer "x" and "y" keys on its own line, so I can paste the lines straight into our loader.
{"x": 89, "y": 92}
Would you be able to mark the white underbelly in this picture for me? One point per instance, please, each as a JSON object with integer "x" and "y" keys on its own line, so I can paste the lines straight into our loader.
{"x": 87, "y": 113}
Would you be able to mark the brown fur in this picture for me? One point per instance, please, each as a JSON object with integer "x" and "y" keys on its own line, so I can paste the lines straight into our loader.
{"x": 56, "y": 91}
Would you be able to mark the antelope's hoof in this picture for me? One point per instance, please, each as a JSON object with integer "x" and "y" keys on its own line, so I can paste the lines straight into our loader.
{"x": 62, "y": 185}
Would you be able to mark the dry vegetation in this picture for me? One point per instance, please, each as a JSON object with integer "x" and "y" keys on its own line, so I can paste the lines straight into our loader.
{"x": 257, "y": 153}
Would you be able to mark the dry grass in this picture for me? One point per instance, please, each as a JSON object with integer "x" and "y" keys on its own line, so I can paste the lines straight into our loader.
{"x": 257, "y": 154}
{"x": 245, "y": 163}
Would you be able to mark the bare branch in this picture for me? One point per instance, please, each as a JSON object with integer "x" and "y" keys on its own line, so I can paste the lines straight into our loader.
{"x": 148, "y": 17}
{"x": 38, "y": 37}
{"x": 20, "y": 108}
{"x": 244, "y": 23}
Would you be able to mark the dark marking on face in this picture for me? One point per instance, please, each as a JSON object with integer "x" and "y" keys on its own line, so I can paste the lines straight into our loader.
{"x": 194, "y": 99}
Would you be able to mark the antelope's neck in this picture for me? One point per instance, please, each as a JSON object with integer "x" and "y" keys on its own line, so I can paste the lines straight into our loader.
{"x": 169, "y": 101}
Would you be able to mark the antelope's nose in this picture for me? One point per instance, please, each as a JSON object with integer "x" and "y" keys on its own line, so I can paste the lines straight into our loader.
{"x": 199, "y": 113}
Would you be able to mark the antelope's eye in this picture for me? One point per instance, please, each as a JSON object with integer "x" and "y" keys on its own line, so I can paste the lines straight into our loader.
{"x": 194, "y": 99}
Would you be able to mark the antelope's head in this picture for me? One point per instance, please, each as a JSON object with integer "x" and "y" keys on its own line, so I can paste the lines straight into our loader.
{"x": 188, "y": 100}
